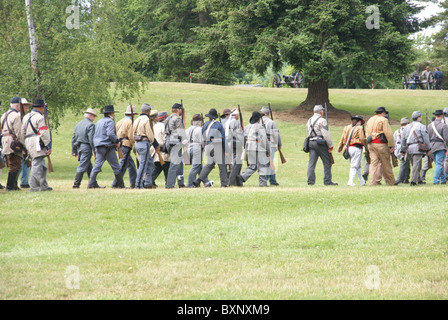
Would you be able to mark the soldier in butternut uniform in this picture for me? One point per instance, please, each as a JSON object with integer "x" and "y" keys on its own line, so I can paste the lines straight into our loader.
{"x": 38, "y": 145}
{"x": 355, "y": 146}
{"x": 11, "y": 124}
{"x": 144, "y": 138}
{"x": 126, "y": 136}
{"x": 380, "y": 141}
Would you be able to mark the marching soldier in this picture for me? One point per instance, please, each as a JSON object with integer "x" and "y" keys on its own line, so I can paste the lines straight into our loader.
{"x": 196, "y": 150}
{"x": 257, "y": 148}
{"x": 235, "y": 140}
{"x": 321, "y": 146}
{"x": 126, "y": 136}
{"x": 82, "y": 145}
{"x": 13, "y": 141}
{"x": 106, "y": 142}
{"x": 38, "y": 145}
{"x": 176, "y": 141}
{"x": 144, "y": 137}
{"x": 438, "y": 134}
{"x": 275, "y": 141}
{"x": 413, "y": 135}
{"x": 353, "y": 138}
{"x": 159, "y": 134}
{"x": 215, "y": 148}
{"x": 225, "y": 116}
{"x": 26, "y": 164}
{"x": 405, "y": 168}
{"x": 380, "y": 142}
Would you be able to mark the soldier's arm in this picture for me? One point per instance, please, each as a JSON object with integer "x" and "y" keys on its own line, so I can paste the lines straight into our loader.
{"x": 18, "y": 129}
{"x": 341, "y": 142}
{"x": 110, "y": 132}
{"x": 44, "y": 133}
{"x": 326, "y": 134}
{"x": 150, "y": 134}
{"x": 388, "y": 133}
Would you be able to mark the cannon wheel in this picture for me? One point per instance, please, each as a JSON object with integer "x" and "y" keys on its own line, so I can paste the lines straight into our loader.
{"x": 298, "y": 80}
{"x": 276, "y": 80}
{"x": 404, "y": 80}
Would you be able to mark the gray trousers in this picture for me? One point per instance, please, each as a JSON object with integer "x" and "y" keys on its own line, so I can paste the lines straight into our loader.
{"x": 195, "y": 153}
{"x": 85, "y": 157}
{"x": 215, "y": 156}
{"x": 146, "y": 164}
{"x": 38, "y": 175}
{"x": 416, "y": 163}
{"x": 257, "y": 161}
{"x": 127, "y": 163}
{"x": 405, "y": 170}
{"x": 176, "y": 170}
{"x": 319, "y": 151}
{"x": 104, "y": 154}
{"x": 237, "y": 164}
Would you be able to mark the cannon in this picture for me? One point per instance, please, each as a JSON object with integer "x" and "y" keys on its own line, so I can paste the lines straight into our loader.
{"x": 416, "y": 80}
{"x": 295, "y": 80}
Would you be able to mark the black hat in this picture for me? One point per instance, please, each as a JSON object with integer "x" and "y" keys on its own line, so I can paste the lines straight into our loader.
{"x": 212, "y": 114}
{"x": 380, "y": 110}
{"x": 108, "y": 109}
{"x": 358, "y": 117}
{"x": 38, "y": 103}
{"x": 255, "y": 117}
{"x": 15, "y": 100}
{"x": 177, "y": 106}
{"x": 438, "y": 112}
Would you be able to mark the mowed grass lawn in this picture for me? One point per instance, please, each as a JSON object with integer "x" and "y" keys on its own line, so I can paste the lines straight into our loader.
{"x": 286, "y": 242}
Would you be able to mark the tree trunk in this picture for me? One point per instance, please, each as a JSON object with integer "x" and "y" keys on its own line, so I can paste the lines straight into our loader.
{"x": 317, "y": 94}
{"x": 33, "y": 46}
{"x": 202, "y": 16}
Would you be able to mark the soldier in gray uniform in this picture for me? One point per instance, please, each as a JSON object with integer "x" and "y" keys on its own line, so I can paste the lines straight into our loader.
{"x": 82, "y": 145}
{"x": 438, "y": 134}
{"x": 175, "y": 143}
{"x": 106, "y": 143}
{"x": 321, "y": 146}
{"x": 257, "y": 148}
{"x": 275, "y": 141}
{"x": 196, "y": 150}
{"x": 405, "y": 167}
{"x": 414, "y": 134}
{"x": 235, "y": 140}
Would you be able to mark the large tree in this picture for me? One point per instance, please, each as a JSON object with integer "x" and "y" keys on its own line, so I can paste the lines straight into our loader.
{"x": 315, "y": 36}
{"x": 44, "y": 52}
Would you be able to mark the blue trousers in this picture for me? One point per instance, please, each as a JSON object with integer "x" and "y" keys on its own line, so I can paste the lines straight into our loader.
{"x": 146, "y": 164}
{"x": 103, "y": 155}
{"x": 439, "y": 172}
{"x": 127, "y": 163}
{"x": 24, "y": 173}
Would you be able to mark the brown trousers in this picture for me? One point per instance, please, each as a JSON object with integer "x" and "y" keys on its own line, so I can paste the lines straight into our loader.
{"x": 380, "y": 165}
{"x": 15, "y": 162}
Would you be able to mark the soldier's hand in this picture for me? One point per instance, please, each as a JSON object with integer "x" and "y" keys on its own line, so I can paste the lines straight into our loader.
{"x": 392, "y": 149}
{"x": 118, "y": 144}
{"x": 74, "y": 154}
{"x": 158, "y": 149}
{"x": 48, "y": 152}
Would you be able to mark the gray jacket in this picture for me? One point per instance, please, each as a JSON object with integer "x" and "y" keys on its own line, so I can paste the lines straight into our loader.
{"x": 83, "y": 133}
{"x": 442, "y": 129}
{"x": 320, "y": 128}
{"x": 409, "y": 142}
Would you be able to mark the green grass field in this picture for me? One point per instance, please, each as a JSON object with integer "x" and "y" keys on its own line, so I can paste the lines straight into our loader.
{"x": 286, "y": 242}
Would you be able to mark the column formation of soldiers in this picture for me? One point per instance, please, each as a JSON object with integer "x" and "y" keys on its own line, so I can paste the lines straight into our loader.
{"x": 161, "y": 144}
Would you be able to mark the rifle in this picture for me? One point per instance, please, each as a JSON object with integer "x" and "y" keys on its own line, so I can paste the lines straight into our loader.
{"x": 282, "y": 158}
{"x": 47, "y": 121}
{"x": 426, "y": 123}
{"x": 326, "y": 119}
{"x": 184, "y": 151}
{"x": 241, "y": 118}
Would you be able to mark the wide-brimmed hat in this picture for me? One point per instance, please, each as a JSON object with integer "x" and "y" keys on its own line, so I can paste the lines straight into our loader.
{"x": 38, "y": 103}
{"x": 359, "y": 118}
{"x": 256, "y": 116}
{"x": 108, "y": 109}
{"x": 26, "y": 102}
{"x": 130, "y": 110}
{"x": 226, "y": 111}
{"x": 438, "y": 112}
{"x": 212, "y": 114}
{"x": 153, "y": 113}
{"x": 380, "y": 110}
{"x": 404, "y": 120}
{"x": 445, "y": 111}
{"x": 90, "y": 111}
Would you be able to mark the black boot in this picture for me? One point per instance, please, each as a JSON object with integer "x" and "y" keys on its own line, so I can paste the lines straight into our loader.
{"x": 78, "y": 179}
{"x": 92, "y": 182}
{"x": 120, "y": 182}
{"x": 16, "y": 179}
{"x": 10, "y": 182}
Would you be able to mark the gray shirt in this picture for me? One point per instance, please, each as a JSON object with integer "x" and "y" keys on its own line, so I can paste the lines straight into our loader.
{"x": 436, "y": 143}
{"x": 320, "y": 129}
{"x": 272, "y": 132}
{"x": 83, "y": 133}
{"x": 409, "y": 142}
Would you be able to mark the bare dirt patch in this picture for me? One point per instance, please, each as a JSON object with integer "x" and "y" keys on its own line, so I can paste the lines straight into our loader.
{"x": 336, "y": 117}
